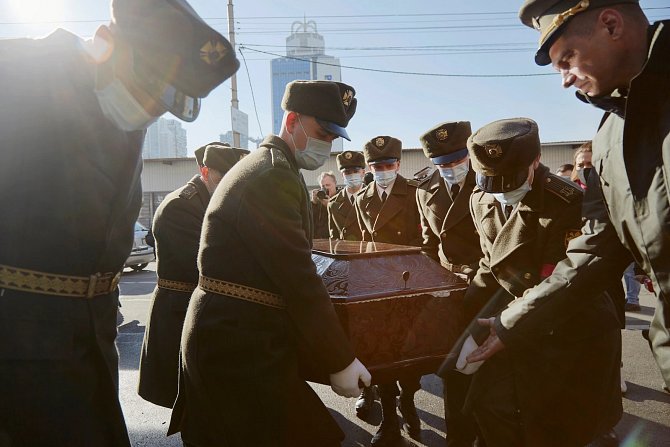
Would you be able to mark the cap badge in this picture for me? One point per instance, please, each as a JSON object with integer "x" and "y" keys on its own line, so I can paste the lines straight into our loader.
{"x": 442, "y": 134}
{"x": 347, "y": 97}
{"x": 212, "y": 52}
{"x": 379, "y": 142}
{"x": 348, "y": 155}
{"x": 493, "y": 150}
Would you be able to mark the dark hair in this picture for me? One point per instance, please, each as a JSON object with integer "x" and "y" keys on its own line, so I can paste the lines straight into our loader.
{"x": 566, "y": 167}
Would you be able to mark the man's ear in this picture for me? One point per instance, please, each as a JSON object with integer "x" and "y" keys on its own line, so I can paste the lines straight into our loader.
{"x": 102, "y": 46}
{"x": 291, "y": 119}
{"x": 536, "y": 162}
{"x": 612, "y": 20}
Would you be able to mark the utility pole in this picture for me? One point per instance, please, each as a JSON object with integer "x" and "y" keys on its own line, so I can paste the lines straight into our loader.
{"x": 234, "y": 103}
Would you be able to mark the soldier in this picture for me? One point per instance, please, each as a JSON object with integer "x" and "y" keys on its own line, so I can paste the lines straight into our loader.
{"x": 342, "y": 222}
{"x": 386, "y": 208}
{"x": 260, "y": 302}
{"x": 626, "y": 218}
{"x": 176, "y": 227}
{"x": 386, "y": 211}
{"x": 449, "y": 237}
{"x": 559, "y": 387}
{"x": 74, "y": 115}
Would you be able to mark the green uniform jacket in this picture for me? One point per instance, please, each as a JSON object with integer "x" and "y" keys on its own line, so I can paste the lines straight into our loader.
{"x": 342, "y": 222}
{"x": 176, "y": 228}
{"x": 319, "y": 221}
{"x": 241, "y": 385}
{"x": 449, "y": 236}
{"x": 567, "y": 375}
{"x": 396, "y": 221}
{"x": 70, "y": 193}
{"x": 628, "y": 220}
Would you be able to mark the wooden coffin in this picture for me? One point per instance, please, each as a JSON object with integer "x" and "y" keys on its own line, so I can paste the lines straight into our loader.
{"x": 401, "y": 310}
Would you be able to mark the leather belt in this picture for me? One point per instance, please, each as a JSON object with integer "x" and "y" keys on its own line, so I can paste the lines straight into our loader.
{"x": 26, "y": 280}
{"x": 242, "y": 292}
{"x": 176, "y": 285}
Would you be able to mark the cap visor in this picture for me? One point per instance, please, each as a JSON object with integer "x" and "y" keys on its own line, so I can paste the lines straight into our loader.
{"x": 384, "y": 161}
{"x": 542, "y": 57}
{"x": 501, "y": 183}
{"x": 184, "y": 107}
{"x": 334, "y": 129}
{"x": 450, "y": 158}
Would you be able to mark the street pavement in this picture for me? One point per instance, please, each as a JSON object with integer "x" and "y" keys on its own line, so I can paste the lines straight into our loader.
{"x": 646, "y": 421}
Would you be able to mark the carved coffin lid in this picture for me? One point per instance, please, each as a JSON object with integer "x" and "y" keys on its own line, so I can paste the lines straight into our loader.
{"x": 356, "y": 271}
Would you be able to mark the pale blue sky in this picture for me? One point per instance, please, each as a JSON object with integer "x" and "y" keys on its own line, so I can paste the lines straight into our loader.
{"x": 485, "y": 35}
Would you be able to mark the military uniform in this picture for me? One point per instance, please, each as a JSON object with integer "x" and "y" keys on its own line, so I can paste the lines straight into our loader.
{"x": 561, "y": 386}
{"x": 320, "y": 220}
{"x": 259, "y": 304}
{"x": 176, "y": 227}
{"x": 448, "y": 234}
{"x": 342, "y": 220}
{"x": 65, "y": 235}
{"x": 396, "y": 221}
{"x": 450, "y": 237}
{"x": 626, "y": 221}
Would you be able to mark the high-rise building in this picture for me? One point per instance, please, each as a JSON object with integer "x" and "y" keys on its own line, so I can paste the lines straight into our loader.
{"x": 228, "y": 138}
{"x": 306, "y": 60}
{"x": 165, "y": 139}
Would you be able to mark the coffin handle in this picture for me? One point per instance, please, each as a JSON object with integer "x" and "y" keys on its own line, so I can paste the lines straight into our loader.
{"x": 405, "y": 277}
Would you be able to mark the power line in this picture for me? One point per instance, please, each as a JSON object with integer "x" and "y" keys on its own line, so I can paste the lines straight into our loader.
{"x": 251, "y": 87}
{"x": 443, "y": 75}
{"x": 479, "y": 13}
{"x": 395, "y": 48}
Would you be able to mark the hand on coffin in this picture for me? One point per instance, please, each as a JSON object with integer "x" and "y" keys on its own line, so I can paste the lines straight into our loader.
{"x": 462, "y": 364}
{"x": 345, "y": 382}
{"x": 490, "y": 347}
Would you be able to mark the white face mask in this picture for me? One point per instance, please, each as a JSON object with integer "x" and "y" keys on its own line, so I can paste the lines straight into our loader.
{"x": 121, "y": 107}
{"x": 455, "y": 174}
{"x": 385, "y": 178}
{"x": 314, "y": 155}
{"x": 353, "y": 181}
{"x": 583, "y": 174}
{"x": 512, "y": 197}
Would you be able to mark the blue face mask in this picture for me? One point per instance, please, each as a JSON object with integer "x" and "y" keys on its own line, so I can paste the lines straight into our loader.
{"x": 512, "y": 197}
{"x": 353, "y": 181}
{"x": 314, "y": 155}
{"x": 385, "y": 178}
{"x": 455, "y": 174}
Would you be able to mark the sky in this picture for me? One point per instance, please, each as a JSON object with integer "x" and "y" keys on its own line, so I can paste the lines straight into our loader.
{"x": 434, "y": 39}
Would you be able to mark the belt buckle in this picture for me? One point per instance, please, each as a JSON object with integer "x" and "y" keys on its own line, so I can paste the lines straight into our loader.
{"x": 92, "y": 281}
{"x": 115, "y": 281}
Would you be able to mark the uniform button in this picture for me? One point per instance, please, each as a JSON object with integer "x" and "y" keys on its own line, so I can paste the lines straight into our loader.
{"x": 399, "y": 233}
{"x": 444, "y": 235}
{"x": 344, "y": 230}
{"x": 374, "y": 234}
{"x": 527, "y": 275}
{"x": 548, "y": 179}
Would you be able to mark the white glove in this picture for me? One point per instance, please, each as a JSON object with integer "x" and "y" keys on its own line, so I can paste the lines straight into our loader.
{"x": 462, "y": 364}
{"x": 345, "y": 382}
